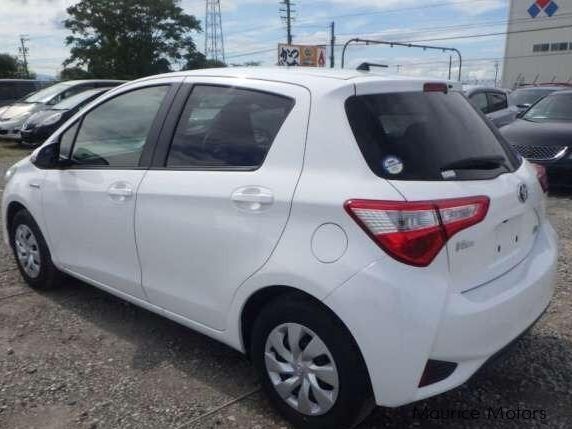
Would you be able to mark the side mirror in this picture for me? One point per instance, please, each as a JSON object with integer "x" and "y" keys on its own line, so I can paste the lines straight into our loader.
{"x": 523, "y": 106}
{"x": 47, "y": 156}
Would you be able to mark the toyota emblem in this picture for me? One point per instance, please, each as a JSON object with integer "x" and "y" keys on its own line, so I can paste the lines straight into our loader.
{"x": 522, "y": 193}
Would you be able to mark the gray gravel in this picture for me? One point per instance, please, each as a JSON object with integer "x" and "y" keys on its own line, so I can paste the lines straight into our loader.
{"x": 80, "y": 358}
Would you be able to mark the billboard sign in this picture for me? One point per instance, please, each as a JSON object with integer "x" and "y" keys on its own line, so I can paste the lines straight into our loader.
{"x": 301, "y": 55}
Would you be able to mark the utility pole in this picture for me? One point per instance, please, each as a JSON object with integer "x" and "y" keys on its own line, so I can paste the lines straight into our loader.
{"x": 496, "y": 73}
{"x": 24, "y": 52}
{"x": 450, "y": 65}
{"x": 288, "y": 18}
{"x": 332, "y": 44}
{"x": 398, "y": 68}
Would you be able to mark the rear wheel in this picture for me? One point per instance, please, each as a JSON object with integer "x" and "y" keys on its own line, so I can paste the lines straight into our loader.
{"x": 309, "y": 365}
{"x": 31, "y": 252}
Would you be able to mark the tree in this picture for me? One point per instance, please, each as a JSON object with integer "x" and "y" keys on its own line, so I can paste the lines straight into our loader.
{"x": 128, "y": 39}
{"x": 197, "y": 60}
{"x": 9, "y": 66}
{"x": 72, "y": 73}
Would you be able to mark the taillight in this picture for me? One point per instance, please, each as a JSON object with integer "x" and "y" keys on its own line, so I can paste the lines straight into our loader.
{"x": 415, "y": 232}
{"x": 542, "y": 176}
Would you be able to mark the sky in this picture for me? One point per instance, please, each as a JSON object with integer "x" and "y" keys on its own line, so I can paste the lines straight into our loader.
{"x": 253, "y": 29}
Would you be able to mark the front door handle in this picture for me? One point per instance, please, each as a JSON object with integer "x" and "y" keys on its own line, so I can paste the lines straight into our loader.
{"x": 120, "y": 191}
{"x": 253, "y": 198}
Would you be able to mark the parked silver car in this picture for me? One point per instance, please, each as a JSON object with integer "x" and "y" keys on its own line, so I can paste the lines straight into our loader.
{"x": 493, "y": 102}
{"x": 12, "y": 117}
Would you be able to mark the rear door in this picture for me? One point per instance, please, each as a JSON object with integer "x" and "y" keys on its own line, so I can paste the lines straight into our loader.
{"x": 213, "y": 207}
{"x": 434, "y": 140}
{"x": 499, "y": 111}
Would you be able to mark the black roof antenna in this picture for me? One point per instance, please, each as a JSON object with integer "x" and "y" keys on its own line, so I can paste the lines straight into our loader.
{"x": 367, "y": 66}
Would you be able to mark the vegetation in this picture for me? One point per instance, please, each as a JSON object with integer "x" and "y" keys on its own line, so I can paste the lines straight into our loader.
{"x": 128, "y": 39}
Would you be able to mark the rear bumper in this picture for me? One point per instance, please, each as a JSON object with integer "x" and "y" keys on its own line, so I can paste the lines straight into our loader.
{"x": 400, "y": 325}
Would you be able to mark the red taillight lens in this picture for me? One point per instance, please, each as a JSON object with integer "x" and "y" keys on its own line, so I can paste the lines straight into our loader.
{"x": 435, "y": 87}
{"x": 415, "y": 232}
{"x": 542, "y": 176}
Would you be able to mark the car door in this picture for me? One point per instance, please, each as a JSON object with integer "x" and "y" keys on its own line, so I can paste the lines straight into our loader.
{"x": 499, "y": 111}
{"x": 89, "y": 205}
{"x": 212, "y": 209}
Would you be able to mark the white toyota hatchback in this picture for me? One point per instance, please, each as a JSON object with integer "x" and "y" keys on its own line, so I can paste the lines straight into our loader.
{"x": 364, "y": 239}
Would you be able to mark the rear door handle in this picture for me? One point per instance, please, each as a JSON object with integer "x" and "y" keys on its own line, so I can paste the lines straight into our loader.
{"x": 120, "y": 191}
{"x": 253, "y": 198}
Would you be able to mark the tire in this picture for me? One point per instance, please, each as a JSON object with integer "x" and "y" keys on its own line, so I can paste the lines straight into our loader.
{"x": 26, "y": 239}
{"x": 348, "y": 392}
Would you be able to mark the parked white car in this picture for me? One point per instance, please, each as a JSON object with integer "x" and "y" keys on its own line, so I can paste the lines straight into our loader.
{"x": 365, "y": 239}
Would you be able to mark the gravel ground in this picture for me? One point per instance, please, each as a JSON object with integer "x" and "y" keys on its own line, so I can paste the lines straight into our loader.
{"x": 80, "y": 358}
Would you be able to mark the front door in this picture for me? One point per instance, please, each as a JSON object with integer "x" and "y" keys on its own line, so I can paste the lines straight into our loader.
{"x": 210, "y": 214}
{"x": 89, "y": 205}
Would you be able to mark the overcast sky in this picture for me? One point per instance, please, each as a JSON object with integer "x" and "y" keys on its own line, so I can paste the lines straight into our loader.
{"x": 254, "y": 26}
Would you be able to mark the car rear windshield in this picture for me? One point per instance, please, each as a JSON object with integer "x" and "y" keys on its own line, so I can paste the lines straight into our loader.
{"x": 427, "y": 136}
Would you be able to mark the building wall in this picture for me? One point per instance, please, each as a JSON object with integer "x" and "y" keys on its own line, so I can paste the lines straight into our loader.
{"x": 522, "y": 64}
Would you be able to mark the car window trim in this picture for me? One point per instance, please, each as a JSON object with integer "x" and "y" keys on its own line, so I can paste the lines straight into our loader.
{"x": 166, "y": 140}
{"x": 152, "y": 136}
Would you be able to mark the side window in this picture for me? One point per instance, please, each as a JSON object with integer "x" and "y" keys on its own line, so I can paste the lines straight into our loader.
{"x": 479, "y": 100}
{"x": 497, "y": 101}
{"x": 66, "y": 141}
{"x": 227, "y": 127}
{"x": 114, "y": 133}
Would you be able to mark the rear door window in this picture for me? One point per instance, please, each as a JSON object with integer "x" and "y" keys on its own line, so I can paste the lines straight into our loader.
{"x": 480, "y": 101}
{"x": 497, "y": 101}
{"x": 427, "y": 136}
{"x": 227, "y": 127}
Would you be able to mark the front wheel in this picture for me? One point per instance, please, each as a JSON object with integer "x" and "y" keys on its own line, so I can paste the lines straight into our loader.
{"x": 31, "y": 252}
{"x": 310, "y": 366}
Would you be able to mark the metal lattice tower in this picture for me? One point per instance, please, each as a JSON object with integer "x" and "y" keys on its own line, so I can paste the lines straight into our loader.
{"x": 214, "y": 40}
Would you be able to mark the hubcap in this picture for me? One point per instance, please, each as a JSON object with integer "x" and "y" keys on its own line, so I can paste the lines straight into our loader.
{"x": 302, "y": 369}
{"x": 28, "y": 251}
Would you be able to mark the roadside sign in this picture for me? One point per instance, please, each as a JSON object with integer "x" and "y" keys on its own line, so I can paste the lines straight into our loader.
{"x": 301, "y": 55}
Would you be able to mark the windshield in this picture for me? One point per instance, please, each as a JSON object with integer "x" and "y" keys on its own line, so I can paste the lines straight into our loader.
{"x": 47, "y": 94}
{"x": 70, "y": 103}
{"x": 557, "y": 107}
{"x": 522, "y": 97}
{"x": 426, "y": 136}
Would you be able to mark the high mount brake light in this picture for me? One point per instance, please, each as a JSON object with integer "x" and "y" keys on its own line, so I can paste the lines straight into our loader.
{"x": 436, "y": 87}
{"x": 415, "y": 232}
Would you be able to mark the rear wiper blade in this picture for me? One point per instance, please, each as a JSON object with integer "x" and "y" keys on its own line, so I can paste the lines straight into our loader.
{"x": 477, "y": 163}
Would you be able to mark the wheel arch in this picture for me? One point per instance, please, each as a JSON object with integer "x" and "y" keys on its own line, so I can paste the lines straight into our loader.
{"x": 13, "y": 208}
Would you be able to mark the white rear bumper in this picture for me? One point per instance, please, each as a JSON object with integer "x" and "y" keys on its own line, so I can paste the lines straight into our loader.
{"x": 400, "y": 323}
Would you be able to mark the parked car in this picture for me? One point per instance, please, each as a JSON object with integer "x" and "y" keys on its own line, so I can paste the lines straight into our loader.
{"x": 316, "y": 220}
{"x": 526, "y": 96}
{"x": 42, "y": 124}
{"x": 12, "y": 90}
{"x": 12, "y": 117}
{"x": 493, "y": 102}
{"x": 543, "y": 135}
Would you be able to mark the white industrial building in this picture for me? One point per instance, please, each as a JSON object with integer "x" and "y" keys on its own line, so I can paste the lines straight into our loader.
{"x": 539, "y": 43}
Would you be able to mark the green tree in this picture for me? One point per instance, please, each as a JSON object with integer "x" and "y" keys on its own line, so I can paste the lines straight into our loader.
{"x": 127, "y": 39}
{"x": 72, "y": 73}
{"x": 9, "y": 66}
{"x": 197, "y": 60}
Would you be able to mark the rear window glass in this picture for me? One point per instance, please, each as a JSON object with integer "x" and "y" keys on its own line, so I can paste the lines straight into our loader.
{"x": 427, "y": 136}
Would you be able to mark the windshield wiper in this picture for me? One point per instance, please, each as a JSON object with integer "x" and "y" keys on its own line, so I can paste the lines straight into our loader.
{"x": 477, "y": 163}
